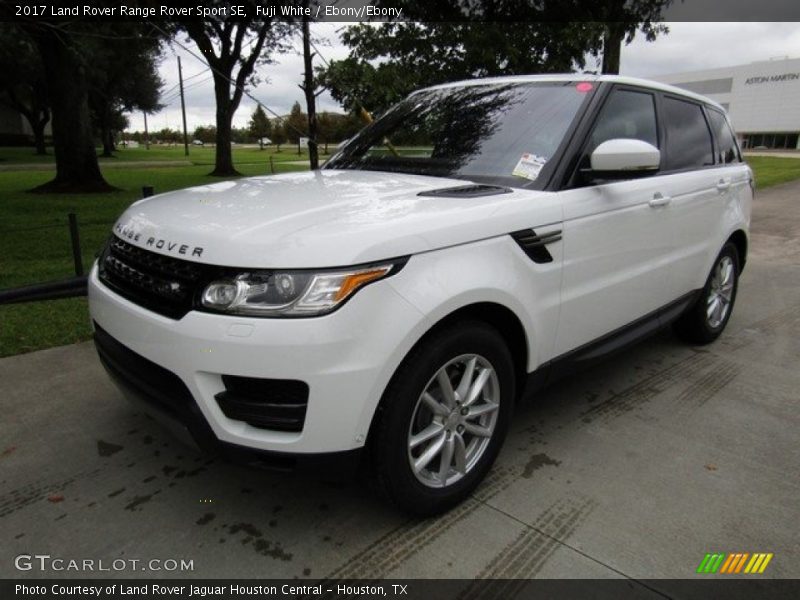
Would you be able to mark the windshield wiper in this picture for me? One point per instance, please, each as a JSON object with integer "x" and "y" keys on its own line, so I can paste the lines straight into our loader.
{"x": 472, "y": 190}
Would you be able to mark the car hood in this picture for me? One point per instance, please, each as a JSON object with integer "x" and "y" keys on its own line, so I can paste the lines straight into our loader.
{"x": 322, "y": 219}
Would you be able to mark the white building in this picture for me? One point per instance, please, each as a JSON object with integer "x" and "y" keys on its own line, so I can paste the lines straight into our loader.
{"x": 762, "y": 98}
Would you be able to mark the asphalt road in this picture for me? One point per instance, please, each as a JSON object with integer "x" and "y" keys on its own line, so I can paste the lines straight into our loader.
{"x": 635, "y": 469}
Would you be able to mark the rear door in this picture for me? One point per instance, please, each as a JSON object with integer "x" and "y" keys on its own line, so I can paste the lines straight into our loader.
{"x": 617, "y": 235}
{"x": 700, "y": 189}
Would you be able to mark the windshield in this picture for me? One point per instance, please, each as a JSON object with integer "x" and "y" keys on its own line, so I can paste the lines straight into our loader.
{"x": 495, "y": 133}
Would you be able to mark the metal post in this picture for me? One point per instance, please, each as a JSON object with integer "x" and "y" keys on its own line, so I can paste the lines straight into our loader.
{"x": 271, "y": 165}
{"x": 183, "y": 111}
{"x": 76, "y": 243}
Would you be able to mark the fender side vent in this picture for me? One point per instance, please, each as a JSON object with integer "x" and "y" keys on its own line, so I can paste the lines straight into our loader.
{"x": 468, "y": 191}
{"x": 534, "y": 245}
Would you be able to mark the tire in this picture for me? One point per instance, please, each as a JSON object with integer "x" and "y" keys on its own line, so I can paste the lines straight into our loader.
{"x": 703, "y": 323}
{"x": 415, "y": 418}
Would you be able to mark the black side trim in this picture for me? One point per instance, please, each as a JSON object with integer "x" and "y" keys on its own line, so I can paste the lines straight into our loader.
{"x": 596, "y": 351}
{"x": 468, "y": 191}
{"x": 534, "y": 245}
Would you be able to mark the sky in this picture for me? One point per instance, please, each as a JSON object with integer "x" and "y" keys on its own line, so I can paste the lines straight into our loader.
{"x": 687, "y": 47}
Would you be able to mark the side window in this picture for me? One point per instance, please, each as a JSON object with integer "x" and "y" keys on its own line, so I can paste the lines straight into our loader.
{"x": 688, "y": 142}
{"x": 727, "y": 150}
{"x": 626, "y": 114}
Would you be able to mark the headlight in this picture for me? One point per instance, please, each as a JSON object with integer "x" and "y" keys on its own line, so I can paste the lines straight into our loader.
{"x": 289, "y": 293}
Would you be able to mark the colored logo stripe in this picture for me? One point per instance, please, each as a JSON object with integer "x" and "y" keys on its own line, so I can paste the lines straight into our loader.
{"x": 735, "y": 562}
{"x": 758, "y": 563}
{"x": 710, "y": 563}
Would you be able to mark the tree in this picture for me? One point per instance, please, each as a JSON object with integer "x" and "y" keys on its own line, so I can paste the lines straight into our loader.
{"x": 240, "y": 135}
{"x": 416, "y": 54}
{"x": 206, "y": 134}
{"x": 296, "y": 124}
{"x": 168, "y": 136}
{"x": 64, "y": 64}
{"x": 228, "y": 43}
{"x": 621, "y": 20}
{"x": 335, "y": 128}
{"x": 259, "y": 126}
{"x": 356, "y": 83}
{"x": 122, "y": 76}
{"x": 23, "y": 86}
{"x": 311, "y": 91}
{"x": 327, "y": 128}
{"x": 390, "y": 60}
{"x": 347, "y": 126}
{"x": 278, "y": 135}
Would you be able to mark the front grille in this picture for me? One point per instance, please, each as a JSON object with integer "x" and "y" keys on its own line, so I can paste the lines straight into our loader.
{"x": 160, "y": 283}
{"x": 277, "y": 404}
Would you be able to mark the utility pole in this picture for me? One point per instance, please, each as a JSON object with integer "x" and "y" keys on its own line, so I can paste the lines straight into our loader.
{"x": 311, "y": 97}
{"x": 183, "y": 111}
{"x": 146, "y": 136}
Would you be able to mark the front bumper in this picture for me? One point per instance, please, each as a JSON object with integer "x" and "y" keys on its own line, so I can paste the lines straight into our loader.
{"x": 163, "y": 395}
{"x": 346, "y": 358}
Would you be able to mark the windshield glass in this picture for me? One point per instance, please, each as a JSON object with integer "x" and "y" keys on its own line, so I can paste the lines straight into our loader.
{"x": 495, "y": 133}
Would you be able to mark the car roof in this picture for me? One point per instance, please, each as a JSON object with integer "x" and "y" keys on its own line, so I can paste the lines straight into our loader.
{"x": 568, "y": 77}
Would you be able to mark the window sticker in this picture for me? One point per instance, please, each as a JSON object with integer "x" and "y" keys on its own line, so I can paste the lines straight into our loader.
{"x": 529, "y": 166}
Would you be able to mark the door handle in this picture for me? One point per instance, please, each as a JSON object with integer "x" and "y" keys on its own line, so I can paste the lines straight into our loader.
{"x": 723, "y": 184}
{"x": 659, "y": 200}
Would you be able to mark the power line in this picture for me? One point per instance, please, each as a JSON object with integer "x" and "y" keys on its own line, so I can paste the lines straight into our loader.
{"x": 195, "y": 75}
{"x": 169, "y": 91}
{"x": 313, "y": 45}
{"x": 196, "y": 83}
{"x": 232, "y": 82}
{"x": 64, "y": 28}
{"x": 172, "y": 97}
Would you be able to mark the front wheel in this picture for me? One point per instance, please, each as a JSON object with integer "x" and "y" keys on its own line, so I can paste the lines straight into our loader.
{"x": 705, "y": 321}
{"x": 444, "y": 417}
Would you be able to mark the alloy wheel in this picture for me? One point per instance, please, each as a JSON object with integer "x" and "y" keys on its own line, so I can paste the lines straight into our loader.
{"x": 453, "y": 421}
{"x": 720, "y": 293}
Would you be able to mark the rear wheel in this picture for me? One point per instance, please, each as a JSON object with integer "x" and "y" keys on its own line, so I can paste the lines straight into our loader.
{"x": 444, "y": 418}
{"x": 705, "y": 321}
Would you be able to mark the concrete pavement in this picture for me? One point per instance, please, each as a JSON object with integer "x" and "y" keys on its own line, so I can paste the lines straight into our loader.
{"x": 634, "y": 469}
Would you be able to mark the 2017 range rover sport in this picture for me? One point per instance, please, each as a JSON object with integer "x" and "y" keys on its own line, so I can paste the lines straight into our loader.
{"x": 477, "y": 237}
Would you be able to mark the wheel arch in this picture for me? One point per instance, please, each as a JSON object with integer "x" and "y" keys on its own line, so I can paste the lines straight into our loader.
{"x": 502, "y": 318}
{"x": 739, "y": 239}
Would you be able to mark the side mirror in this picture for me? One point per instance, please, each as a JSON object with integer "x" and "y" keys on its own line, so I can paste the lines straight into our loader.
{"x": 623, "y": 158}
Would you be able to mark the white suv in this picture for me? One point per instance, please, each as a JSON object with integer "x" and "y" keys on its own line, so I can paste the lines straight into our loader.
{"x": 477, "y": 241}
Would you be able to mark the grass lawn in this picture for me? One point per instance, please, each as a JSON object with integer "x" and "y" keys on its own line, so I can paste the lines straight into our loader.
{"x": 35, "y": 245}
{"x": 198, "y": 155}
{"x": 34, "y": 240}
{"x": 772, "y": 170}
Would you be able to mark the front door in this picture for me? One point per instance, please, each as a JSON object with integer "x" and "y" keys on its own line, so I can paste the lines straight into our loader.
{"x": 618, "y": 236}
